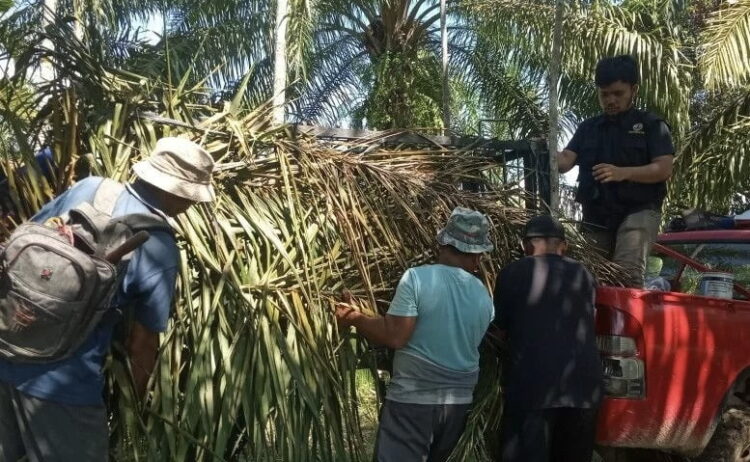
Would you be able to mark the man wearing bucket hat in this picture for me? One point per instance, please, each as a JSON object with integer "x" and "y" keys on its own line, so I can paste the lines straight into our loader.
{"x": 435, "y": 323}
{"x": 54, "y": 411}
{"x": 545, "y": 305}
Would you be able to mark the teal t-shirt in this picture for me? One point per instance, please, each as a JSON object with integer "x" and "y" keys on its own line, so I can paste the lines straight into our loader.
{"x": 454, "y": 310}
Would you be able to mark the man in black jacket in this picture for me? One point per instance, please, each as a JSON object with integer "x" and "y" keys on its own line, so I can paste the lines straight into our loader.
{"x": 625, "y": 158}
{"x": 544, "y": 304}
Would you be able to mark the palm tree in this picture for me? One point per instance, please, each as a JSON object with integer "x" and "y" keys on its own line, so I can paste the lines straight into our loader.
{"x": 374, "y": 60}
{"x": 712, "y": 167}
{"x": 252, "y": 367}
{"x": 445, "y": 58}
{"x": 518, "y": 32}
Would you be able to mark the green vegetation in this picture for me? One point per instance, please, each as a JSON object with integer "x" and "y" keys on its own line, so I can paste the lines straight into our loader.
{"x": 252, "y": 367}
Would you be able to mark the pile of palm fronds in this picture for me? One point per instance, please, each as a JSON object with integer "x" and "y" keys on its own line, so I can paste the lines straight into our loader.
{"x": 252, "y": 366}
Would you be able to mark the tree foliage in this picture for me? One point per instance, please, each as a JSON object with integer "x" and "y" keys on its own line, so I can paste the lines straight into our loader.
{"x": 252, "y": 366}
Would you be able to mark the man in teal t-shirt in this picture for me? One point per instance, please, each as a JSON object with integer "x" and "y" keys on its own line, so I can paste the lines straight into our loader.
{"x": 435, "y": 323}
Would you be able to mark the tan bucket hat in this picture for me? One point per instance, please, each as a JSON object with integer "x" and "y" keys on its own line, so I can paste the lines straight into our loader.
{"x": 180, "y": 167}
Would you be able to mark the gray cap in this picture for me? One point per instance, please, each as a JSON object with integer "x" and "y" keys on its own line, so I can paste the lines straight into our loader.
{"x": 467, "y": 230}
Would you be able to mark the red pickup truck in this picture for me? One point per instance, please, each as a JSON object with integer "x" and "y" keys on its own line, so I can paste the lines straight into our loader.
{"x": 677, "y": 364}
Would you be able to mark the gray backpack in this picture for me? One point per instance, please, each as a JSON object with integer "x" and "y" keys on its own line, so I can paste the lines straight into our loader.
{"x": 57, "y": 282}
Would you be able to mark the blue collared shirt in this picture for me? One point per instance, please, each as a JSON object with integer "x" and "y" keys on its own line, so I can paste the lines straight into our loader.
{"x": 148, "y": 288}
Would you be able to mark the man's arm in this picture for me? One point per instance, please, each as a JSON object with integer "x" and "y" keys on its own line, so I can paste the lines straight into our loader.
{"x": 149, "y": 288}
{"x": 566, "y": 160}
{"x": 392, "y": 330}
{"x": 389, "y": 330}
{"x": 660, "y": 169}
{"x": 142, "y": 346}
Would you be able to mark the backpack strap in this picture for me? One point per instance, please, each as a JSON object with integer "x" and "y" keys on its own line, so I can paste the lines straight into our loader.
{"x": 145, "y": 222}
{"x": 96, "y": 215}
{"x": 92, "y": 224}
{"x": 106, "y": 195}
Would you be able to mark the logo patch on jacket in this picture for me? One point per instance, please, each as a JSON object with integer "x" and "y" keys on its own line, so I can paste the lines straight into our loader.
{"x": 46, "y": 274}
{"x": 637, "y": 129}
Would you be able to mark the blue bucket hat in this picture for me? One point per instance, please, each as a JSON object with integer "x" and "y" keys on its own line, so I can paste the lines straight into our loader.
{"x": 467, "y": 230}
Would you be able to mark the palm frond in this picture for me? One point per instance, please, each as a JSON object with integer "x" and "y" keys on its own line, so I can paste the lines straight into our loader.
{"x": 726, "y": 45}
{"x": 713, "y": 164}
{"x": 591, "y": 32}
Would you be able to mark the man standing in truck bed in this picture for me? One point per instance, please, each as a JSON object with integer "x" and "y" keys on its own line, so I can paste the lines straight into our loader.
{"x": 625, "y": 158}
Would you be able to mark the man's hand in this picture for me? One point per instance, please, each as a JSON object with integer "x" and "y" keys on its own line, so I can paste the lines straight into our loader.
{"x": 607, "y": 173}
{"x": 391, "y": 331}
{"x": 345, "y": 314}
{"x": 660, "y": 169}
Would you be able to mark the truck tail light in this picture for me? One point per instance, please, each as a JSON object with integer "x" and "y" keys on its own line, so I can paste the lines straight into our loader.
{"x": 624, "y": 375}
{"x": 620, "y": 341}
{"x": 616, "y": 345}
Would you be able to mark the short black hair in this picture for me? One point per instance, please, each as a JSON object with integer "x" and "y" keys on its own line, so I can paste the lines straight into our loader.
{"x": 616, "y": 68}
{"x": 544, "y": 226}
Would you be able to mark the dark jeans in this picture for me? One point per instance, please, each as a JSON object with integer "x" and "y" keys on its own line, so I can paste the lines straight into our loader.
{"x": 35, "y": 430}
{"x": 419, "y": 432}
{"x": 548, "y": 435}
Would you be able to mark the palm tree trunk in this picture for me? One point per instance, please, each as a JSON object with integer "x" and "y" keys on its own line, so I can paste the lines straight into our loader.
{"x": 47, "y": 71}
{"x": 79, "y": 8}
{"x": 279, "y": 68}
{"x": 446, "y": 88}
{"x": 554, "y": 77}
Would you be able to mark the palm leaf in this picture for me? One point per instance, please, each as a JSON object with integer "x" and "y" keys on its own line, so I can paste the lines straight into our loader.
{"x": 590, "y": 32}
{"x": 713, "y": 164}
{"x": 726, "y": 45}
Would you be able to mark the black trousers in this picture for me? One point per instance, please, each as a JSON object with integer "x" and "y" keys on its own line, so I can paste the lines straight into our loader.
{"x": 548, "y": 435}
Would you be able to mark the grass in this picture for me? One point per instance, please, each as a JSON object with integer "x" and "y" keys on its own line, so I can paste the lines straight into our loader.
{"x": 368, "y": 408}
